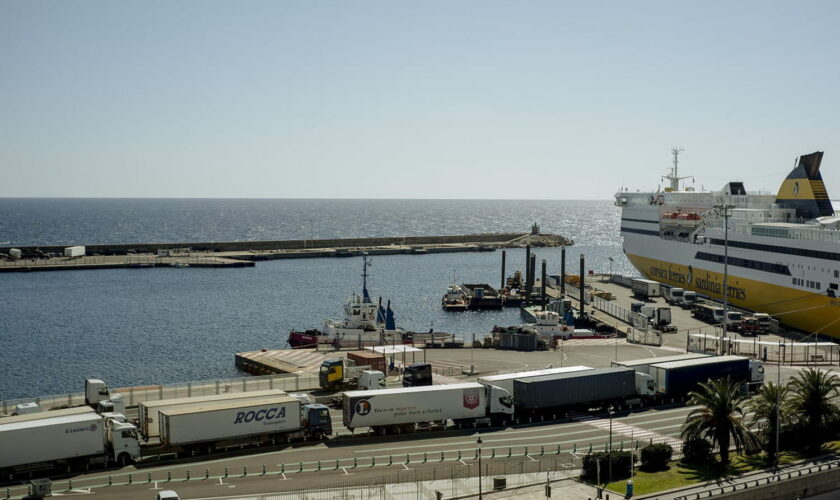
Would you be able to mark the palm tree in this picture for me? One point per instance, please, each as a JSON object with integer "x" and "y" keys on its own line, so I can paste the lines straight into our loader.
{"x": 720, "y": 418}
{"x": 769, "y": 407}
{"x": 812, "y": 393}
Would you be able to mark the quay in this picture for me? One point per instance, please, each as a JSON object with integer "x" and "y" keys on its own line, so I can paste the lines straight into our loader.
{"x": 247, "y": 253}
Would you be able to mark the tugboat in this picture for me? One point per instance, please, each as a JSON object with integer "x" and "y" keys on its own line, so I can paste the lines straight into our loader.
{"x": 455, "y": 299}
{"x": 364, "y": 323}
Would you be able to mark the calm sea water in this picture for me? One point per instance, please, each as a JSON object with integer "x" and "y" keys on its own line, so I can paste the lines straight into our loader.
{"x": 146, "y": 326}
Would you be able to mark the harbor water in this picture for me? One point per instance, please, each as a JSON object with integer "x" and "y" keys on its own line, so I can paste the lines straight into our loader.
{"x": 163, "y": 325}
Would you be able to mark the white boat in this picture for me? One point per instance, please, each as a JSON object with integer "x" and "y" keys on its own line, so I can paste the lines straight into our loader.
{"x": 455, "y": 299}
{"x": 782, "y": 251}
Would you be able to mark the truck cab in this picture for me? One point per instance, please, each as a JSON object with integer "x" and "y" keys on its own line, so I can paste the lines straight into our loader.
{"x": 123, "y": 441}
{"x": 95, "y": 391}
{"x": 756, "y": 373}
{"x": 417, "y": 374}
{"x": 317, "y": 420}
{"x": 688, "y": 299}
{"x": 674, "y": 295}
{"x": 371, "y": 379}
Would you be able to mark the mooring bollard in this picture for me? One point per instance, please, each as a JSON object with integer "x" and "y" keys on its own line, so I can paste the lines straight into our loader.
{"x": 542, "y": 450}
{"x": 390, "y": 460}
{"x": 590, "y": 447}
{"x": 355, "y": 462}
{"x": 319, "y": 466}
{"x": 168, "y": 476}
{"x": 574, "y": 448}
{"x": 336, "y": 464}
{"x": 263, "y": 472}
{"x": 459, "y": 454}
{"x": 149, "y": 478}
{"x": 493, "y": 453}
{"x": 69, "y": 485}
{"x": 425, "y": 457}
{"x": 510, "y": 451}
{"x": 110, "y": 480}
{"x": 407, "y": 460}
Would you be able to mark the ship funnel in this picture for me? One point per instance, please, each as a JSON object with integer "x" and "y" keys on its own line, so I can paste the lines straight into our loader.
{"x": 804, "y": 191}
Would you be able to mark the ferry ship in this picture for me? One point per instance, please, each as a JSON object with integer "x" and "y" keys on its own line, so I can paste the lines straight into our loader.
{"x": 782, "y": 251}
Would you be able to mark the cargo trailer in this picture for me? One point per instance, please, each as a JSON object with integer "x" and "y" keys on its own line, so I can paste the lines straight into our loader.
{"x": 645, "y": 289}
{"x": 77, "y": 251}
{"x": 374, "y": 360}
{"x": 223, "y": 424}
{"x": 149, "y": 411}
{"x": 643, "y": 365}
{"x": 677, "y": 378}
{"x": 401, "y": 410}
{"x": 585, "y": 389}
{"x": 80, "y": 439}
{"x": 505, "y": 380}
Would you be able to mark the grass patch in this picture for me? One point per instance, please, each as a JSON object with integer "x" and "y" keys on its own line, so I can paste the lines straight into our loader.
{"x": 680, "y": 475}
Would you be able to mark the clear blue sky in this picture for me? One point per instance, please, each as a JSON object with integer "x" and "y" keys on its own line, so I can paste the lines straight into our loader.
{"x": 399, "y": 99}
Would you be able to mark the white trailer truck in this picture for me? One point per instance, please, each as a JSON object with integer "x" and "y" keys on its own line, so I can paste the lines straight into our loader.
{"x": 149, "y": 411}
{"x": 75, "y": 440}
{"x": 505, "y": 380}
{"x": 402, "y": 410}
{"x": 643, "y": 365}
{"x": 645, "y": 289}
{"x": 223, "y": 424}
{"x": 77, "y": 251}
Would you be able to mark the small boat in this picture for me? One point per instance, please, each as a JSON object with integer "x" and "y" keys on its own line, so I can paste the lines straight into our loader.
{"x": 455, "y": 299}
{"x": 364, "y": 323}
{"x": 179, "y": 264}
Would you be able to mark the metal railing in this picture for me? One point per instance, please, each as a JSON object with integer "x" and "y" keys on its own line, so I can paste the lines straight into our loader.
{"x": 133, "y": 395}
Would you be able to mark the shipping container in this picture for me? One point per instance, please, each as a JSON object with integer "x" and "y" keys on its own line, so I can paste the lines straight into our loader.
{"x": 643, "y": 288}
{"x": 228, "y": 420}
{"x": 149, "y": 411}
{"x": 505, "y": 380}
{"x": 77, "y": 251}
{"x": 643, "y": 365}
{"x": 678, "y": 378}
{"x": 413, "y": 405}
{"x": 582, "y": 388}
{"x": 375, "y": 360}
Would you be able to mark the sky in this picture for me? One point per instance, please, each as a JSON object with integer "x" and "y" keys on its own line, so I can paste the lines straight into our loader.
{"x": 398, "y": 99}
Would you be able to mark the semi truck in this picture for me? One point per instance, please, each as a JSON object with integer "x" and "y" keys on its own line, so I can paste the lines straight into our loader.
{"x": 505, "y": 380}
{"x": 689, "y": 299}
{"x": 417, "y": 375}
{"x": 77, "y": 251}
{"x": 584, "y": 389}
{"x": 674, "y": 295}
{"x": 149, "y": 411}
{"x": 643, "y": 365}
{"x": 74, "y": 439}
{"x": 224, "y": 424}
{"x": 707, "y": 313}
{"x": 342, "y": 373}
{"x": 677, "y": 378}
{"x": 404, "y": 409}
{"x": 645, "y": 289}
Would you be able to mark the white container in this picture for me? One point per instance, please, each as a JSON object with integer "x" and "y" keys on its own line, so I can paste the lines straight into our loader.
{"x": 505, "y": 380}
{"x": 78, "y": 251}
{"x": 406, "y": 405}
{"x": 228, "y": 420}
{"x": 50, "y": 439}
{"x": 149, "y": 411}
{"x": 27, "y": 408}
{"x": 15, "y": 253}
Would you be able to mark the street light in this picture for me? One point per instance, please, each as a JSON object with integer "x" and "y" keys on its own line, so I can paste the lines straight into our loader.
{"x": 725, "y": 208}
{"x": 612, "y": 412}
{"x": 478, "y": 442}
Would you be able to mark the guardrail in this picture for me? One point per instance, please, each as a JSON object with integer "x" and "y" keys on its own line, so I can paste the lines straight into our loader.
{"x": 465, "y": 456}
{"x": 133, "y": 395}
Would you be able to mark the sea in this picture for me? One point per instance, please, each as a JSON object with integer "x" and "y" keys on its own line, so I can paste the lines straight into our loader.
{"x": 169, "y": 325}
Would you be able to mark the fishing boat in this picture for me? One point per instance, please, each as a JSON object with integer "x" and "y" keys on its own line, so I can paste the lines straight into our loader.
{"x": 455, "y": 299}
{"x": 365, "y": 323}
{"x": 780, "y": 253}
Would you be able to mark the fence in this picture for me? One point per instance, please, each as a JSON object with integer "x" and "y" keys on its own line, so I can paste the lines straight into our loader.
{"x": 639, "y": 333}
{"x": 826, "y": 353}
{"x": 458, "y": 468}
{"x": 134, "y": 395}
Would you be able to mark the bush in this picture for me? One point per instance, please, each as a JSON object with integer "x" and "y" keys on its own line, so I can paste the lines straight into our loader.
{"x": 620, "y": 465}
{"x": 656, "y": 456}
{"x": 697, "y": 451}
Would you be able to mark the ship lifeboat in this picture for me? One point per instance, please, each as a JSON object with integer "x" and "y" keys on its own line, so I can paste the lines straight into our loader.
{"x": 693, "y": 216}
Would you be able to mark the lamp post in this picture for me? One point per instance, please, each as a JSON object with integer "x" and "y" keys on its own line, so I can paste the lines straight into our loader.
{"x": 611, "y": 263}
{"x": 725, "y": 208}
{"x": 478, "y": 442}
{"x": 612, "y": 412}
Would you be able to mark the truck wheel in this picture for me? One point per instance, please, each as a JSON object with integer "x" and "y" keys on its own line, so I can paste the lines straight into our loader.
{"x": 123, "y": 460}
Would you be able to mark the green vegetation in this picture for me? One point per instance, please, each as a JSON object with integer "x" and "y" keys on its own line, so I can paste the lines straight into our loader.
{"x": 813, "y": 391}
{"x": 656, "y": 456}
{"x": 720, "y": 418}
{"x": 769, "y": 406}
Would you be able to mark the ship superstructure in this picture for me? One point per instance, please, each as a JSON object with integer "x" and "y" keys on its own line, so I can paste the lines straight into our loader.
{"x": 783, "y": 249}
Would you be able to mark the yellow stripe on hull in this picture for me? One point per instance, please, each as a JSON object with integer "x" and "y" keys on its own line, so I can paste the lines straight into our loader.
{"x": 806, "y": 311}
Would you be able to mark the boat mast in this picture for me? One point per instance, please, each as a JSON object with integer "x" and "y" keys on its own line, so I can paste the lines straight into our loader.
{"x": 365, "y": 265}
{"x": 674, "y": 176}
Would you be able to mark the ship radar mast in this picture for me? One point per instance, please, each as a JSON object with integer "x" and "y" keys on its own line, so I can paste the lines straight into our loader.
{"x": 365, "y": 266}
{"x": 674, "y": 175}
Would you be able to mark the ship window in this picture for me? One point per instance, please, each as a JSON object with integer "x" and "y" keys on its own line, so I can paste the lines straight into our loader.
{"x": 836, "y": 273}
{"x": 794, "y": 281}
{"x": 818, "y": 285}
{"x": 833, "y": 286}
